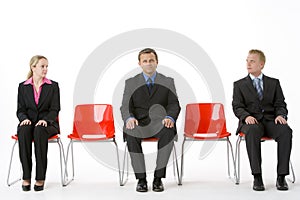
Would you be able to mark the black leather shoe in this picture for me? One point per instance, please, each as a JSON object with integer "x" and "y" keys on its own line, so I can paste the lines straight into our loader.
{"x": 38, "y": 188}
{"x": 142, "y": 185}
{"x": 281, "y": 184}
{"x": 26, "y": 188}
{"x": 157, "y": 185}
{"x": 258, "y": 184}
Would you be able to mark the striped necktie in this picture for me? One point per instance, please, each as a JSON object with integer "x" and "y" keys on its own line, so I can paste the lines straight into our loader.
{"x": 258, "y": 88}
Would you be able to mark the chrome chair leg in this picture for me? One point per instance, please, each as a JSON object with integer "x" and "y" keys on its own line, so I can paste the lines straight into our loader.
{"x": 9, "y": 183}
{"x": 118, "y": 158}
{"x": 181, "y": 168}
{"x": 68, "y": 180}
{"x": 125, "y": 162}
{"x": 62, "y": 160}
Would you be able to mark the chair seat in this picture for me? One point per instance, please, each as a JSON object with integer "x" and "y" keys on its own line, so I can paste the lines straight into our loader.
{"x": 207, "y": 136}
{"x": 152, "y": 139}
{"x": 87, "y": 137}
{"x": 15, "y": 137}
{"x": 262, "y": 139}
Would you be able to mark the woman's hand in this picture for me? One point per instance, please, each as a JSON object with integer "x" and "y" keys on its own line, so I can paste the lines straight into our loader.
{"x": 41, "y": 123}
{"x": 25, "y": 122}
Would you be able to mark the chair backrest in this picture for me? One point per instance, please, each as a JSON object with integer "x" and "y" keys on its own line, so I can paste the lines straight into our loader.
{"x": 93, "y": 121}
{"x": 205, "y": 118}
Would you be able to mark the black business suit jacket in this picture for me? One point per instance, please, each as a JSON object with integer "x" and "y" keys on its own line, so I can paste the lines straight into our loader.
{"x": 47, "y": 108}
{"x": 246, "y": 102}
{"x": 137, "y": 100}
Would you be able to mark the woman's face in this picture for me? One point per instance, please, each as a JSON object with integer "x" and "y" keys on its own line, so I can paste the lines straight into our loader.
{"x": 41, "y": 68}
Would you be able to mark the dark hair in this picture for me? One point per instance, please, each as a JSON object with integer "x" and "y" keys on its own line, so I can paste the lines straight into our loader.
{"x": 147, "y": 50}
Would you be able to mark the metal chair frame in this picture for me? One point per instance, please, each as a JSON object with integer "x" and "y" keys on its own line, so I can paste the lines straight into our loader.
{"x": 68, "y": 180}
{"x": 229, "y": 149}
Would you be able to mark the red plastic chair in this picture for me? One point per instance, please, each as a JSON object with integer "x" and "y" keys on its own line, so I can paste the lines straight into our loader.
{"x": 206, "y": 122}
{"x": 238, "y": 162}
{"x": 53, "y": 139}
{"x": 126, "y": 161}
{"x": 92, "y": 123}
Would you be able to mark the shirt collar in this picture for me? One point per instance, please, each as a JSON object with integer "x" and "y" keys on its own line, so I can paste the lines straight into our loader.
{"x": 253, "y": 77}
{"x": 152, "y": 77}
{"x": 30, "y": 81}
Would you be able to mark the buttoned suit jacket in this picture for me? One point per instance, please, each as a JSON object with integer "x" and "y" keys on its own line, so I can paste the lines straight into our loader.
{"x": 246, "y": 102}
{"x": 48, "y": 106}
{"x": 137, "y": 101}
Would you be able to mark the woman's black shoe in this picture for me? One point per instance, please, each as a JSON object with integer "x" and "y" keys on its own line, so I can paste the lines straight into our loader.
{"x": 26, "y": 188}
{"x": 38, "y": 188}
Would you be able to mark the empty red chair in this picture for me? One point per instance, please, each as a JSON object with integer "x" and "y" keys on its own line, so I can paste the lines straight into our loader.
{"x": 206, "y": 122}
{"x": 92, "y": 123}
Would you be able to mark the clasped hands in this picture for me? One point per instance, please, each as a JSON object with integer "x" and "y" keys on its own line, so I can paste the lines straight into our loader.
{"x": 278, "y": 120}
{"x": 28, "y": 122}
{"x": 131, "y": 123}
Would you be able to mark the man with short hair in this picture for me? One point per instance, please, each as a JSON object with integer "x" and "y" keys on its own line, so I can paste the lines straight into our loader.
{"x": 258, "y": 103}
{"x": 150, "y": 108}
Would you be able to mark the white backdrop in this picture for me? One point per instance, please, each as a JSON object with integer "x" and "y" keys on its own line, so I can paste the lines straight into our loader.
{"x": 66, "y": 32}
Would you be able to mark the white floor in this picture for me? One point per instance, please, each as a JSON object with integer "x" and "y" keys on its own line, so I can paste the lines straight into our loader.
{"x": 206, "y": 178}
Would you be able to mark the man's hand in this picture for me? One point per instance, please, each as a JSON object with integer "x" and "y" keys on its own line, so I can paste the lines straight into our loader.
{"x": 250, "y": 120}
{"x": 131, "y": 123}
{"x": 168, "y": 123}
{"x": 279, "y": 119}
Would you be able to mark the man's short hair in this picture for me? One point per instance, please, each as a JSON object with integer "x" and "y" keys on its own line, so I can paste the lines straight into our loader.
{"x": 261, "y": 54}
{"x": 147, "y": 50}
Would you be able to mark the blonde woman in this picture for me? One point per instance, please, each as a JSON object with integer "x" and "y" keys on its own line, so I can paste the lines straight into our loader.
{"x": 38, "y": 108}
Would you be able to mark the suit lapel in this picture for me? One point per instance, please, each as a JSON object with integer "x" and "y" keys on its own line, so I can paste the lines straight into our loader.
{"x": 141, "y": 82}
{"x": 156, "y": 84}
{"x": 29, "y": 93}
{"x": 43, "y": 96}
{"x": 250, "y": 86}
{"x": 266, "y": 85}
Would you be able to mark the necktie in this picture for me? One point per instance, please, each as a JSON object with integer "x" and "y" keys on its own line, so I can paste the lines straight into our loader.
{"x": 149, "y": 85}
{"x": 258, "y": 88}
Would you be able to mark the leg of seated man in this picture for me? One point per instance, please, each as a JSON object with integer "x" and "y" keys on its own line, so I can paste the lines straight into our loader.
{"x": 137, "y": 156}
{"x": 165, "y": 145}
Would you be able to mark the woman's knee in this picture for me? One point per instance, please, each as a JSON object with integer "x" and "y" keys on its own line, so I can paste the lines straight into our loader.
{"x": 40, "y": 132}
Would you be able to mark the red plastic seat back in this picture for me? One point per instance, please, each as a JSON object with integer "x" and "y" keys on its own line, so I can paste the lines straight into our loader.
{"x": 93, "y": 121}
{"x": 205, "y": 118}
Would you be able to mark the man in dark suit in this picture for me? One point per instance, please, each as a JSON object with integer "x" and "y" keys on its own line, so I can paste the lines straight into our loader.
{"x": 258, "y": 102}
{"x": 149, "y": 108}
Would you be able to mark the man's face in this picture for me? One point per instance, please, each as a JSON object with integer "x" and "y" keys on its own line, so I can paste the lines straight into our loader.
{"x": 148, "y": 63}
{"x": 254, "y": 64}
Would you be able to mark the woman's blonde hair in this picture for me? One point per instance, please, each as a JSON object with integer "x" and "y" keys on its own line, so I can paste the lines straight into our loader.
{"x": 33, "y": 61}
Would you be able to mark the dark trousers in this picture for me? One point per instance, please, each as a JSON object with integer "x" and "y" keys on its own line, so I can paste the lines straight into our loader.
{"x": 165, "y": 145}
{"x": 39, "y": 135}
{"x": 281, "y": 133}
